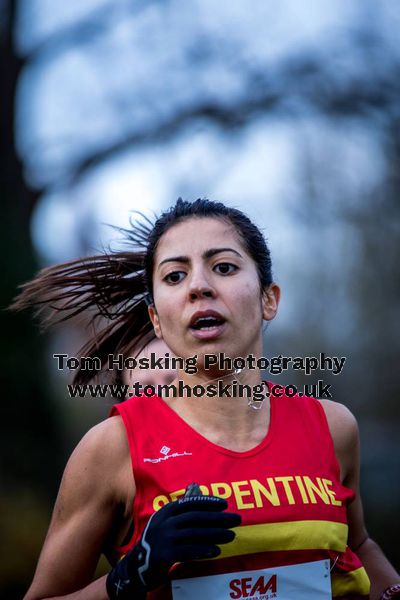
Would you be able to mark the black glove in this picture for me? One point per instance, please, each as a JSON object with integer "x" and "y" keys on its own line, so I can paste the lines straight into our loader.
{"x": 187, "y": 529}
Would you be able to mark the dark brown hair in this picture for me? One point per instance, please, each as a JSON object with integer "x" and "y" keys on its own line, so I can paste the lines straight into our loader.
{"x": 115, "y": 288}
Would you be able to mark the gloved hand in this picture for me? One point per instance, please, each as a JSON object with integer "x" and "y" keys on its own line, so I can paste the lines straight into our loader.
{"x": 186, "y": 529}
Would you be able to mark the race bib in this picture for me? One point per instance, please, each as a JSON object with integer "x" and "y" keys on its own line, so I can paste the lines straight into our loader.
{"x": 307, "y": 581}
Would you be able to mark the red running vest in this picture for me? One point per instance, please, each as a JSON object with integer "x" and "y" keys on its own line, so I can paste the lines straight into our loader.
{"x": 287, "y": 489}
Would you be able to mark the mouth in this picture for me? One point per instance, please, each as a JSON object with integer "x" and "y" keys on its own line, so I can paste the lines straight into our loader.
{"x": 207, "y": 324}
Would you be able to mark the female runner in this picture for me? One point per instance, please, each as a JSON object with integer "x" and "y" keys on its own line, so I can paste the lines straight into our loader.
{"x": 278, "y": 513}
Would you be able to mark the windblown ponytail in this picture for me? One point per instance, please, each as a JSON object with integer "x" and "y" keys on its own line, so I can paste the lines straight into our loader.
{"x": 108, "y": 290}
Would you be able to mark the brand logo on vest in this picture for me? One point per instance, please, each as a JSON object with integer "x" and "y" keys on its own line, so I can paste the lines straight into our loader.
{"x": 252, "y": 588}
{"x": 165, "y": 451}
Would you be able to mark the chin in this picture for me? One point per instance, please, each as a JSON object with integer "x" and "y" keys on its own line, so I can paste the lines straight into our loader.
{"x": 229, "y": 353}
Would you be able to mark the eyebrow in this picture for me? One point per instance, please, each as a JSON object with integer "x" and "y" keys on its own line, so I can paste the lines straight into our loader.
{"x": 207, "y": 254}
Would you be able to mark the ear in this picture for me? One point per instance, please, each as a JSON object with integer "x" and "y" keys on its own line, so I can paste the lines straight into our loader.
{"x": 270, "y": 301}
{"x": 153, "y": 314}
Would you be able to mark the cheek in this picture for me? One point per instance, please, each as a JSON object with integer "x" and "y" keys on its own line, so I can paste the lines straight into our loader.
{"x": 249, "y": 295}
{"x": 167, "y": 311}
{"x": 162, "y": 299}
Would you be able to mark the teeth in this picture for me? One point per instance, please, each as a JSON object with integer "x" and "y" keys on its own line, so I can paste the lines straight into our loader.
{"x": 206, "y": 322}
{"x": 200, "y": 319}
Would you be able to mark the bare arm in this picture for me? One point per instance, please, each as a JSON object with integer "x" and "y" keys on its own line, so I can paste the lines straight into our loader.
{"x": 90, "y": 495}
{"x": 94, "y": 591}
{"x": 345, "y": 435}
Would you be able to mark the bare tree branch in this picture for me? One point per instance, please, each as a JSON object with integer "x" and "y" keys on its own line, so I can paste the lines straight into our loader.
{"x": 291, "y": 90}
{"x": 81, "y": 33}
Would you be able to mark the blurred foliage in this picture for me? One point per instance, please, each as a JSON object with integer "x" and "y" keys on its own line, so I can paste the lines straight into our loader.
{"x": 25, "y": 518}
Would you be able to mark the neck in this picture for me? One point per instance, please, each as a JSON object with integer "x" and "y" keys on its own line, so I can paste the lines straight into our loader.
{"x": 221, "y": 416}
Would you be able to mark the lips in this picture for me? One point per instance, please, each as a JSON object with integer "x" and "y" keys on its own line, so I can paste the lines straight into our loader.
{"x": 206, "y": 324}
{"x": 206, "y": 318}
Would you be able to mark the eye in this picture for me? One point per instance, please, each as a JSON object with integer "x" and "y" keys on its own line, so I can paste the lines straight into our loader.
{"x": 225, "y": 268}
{"x": 174, "y": 276}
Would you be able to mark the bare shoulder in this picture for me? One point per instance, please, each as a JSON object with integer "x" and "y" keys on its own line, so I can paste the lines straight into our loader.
{"x": 104, "y": 443}
{"x": 99, "y": 462}
{"x": 344, "y": 430}
{"x": 342, "y": 422}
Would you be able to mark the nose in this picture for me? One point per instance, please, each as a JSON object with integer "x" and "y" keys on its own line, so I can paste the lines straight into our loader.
{"x": 200, "y": 287}
{"x": 195, "y": 294}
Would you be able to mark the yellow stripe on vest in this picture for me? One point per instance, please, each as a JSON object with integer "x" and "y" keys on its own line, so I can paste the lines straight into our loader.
{"x": 292, "y": 535}
{"x": 356, "y": 581}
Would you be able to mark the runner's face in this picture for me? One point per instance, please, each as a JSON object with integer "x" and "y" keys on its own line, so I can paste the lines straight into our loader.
{"x": 151, "y": 376}
{"x": 207, "y": 293}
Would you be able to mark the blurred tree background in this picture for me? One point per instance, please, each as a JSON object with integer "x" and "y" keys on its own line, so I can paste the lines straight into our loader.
{"x": 289, "y": 111}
